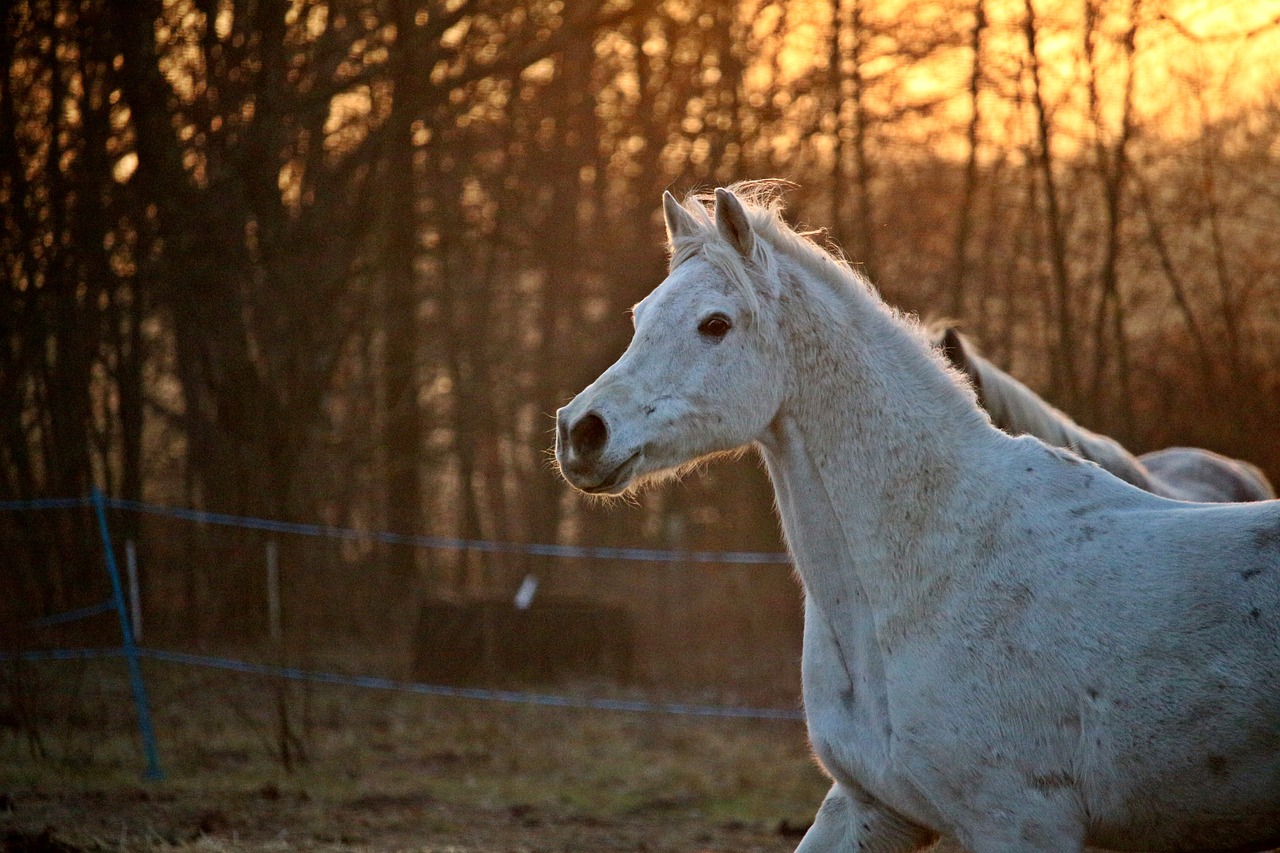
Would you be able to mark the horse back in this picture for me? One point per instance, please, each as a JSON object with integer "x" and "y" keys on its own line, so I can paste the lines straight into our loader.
{"x": 1194, "y": 474}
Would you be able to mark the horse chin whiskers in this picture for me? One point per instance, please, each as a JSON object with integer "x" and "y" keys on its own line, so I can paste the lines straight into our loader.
{"x": 678, "y": 471}
{"x": 640, "y": 480}
{"x": 629, "y": 496}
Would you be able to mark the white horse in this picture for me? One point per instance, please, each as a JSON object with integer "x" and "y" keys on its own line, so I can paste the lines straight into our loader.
{"x": 1003, "y": 643}
{"x": 1181, "y": 473}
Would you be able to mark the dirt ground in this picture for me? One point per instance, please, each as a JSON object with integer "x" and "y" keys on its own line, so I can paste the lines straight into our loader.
{"x": 378, "y": 771}
{"x": 281, "y": 820}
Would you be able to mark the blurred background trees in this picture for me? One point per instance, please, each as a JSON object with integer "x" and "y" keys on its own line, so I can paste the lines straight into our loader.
{"x": 341, "y": 261}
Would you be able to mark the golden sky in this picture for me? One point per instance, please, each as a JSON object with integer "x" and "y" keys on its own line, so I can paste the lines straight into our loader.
{"x": 1194, "y": 60}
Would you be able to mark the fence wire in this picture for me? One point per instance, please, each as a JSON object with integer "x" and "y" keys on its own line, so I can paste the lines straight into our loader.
{"x": 606, "y": 628}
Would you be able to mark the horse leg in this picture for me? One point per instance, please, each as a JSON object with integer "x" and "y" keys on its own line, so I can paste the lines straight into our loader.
{"x": 850, "y": 821}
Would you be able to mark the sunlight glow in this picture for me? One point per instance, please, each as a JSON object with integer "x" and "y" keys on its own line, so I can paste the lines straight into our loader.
{"x": 1194, "y": 61}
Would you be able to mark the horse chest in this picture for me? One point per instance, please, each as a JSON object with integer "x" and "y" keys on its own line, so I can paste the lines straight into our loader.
{"x": 843, "y": 669}
{"x": 846, "y": 705}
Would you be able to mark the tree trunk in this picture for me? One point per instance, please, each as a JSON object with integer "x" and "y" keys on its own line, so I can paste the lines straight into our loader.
{"x": 1063, "y": 375}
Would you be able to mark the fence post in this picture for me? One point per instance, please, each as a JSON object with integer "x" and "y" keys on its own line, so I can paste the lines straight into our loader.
{"x": 130, "y": 648}
{"x": 275, "y": 621}
{"x": 288, "y": 742}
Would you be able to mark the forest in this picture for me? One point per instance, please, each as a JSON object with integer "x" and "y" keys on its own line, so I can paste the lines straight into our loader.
{"x": 339, "y": 261}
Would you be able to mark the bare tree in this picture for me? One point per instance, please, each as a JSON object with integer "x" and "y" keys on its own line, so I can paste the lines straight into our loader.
{"x": 1112, "y": 162}
{"x": 959, "y": 255}
{"x": 1063, "y": 367}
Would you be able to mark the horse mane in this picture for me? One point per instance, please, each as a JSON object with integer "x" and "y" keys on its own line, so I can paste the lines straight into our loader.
{"x": 1017, "y": 409}
{"x": 762, "y": 201}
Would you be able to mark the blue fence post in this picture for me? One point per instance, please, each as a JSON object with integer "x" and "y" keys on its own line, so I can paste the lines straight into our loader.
{"x": 130, "y": 648}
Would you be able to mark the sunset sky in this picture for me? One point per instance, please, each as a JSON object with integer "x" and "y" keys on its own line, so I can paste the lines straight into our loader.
{"x": 1195, "y": 60}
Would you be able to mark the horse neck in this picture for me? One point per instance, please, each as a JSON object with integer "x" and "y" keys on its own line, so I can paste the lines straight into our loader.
{"x": 1017, "y": 409}
{"x": 872, "y": 456}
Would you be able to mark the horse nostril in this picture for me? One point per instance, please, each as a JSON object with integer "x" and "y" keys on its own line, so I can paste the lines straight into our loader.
{"x": 588, "y": 435}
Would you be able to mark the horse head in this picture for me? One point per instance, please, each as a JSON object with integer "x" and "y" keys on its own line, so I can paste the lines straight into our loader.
{"x": 702, "y": 374}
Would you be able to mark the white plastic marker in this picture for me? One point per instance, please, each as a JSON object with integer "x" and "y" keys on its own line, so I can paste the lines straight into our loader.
{"x": 524, "y": 595}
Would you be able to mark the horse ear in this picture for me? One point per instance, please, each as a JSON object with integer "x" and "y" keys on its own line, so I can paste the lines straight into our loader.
{"x": 732, "y": 221}
{"x": 680, "y": 222}
{"x": 953, "y": 348}
{"x": 956, "y": 351}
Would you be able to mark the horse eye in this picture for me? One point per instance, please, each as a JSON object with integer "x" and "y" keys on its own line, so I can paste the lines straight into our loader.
{"x": 715, "y": 326}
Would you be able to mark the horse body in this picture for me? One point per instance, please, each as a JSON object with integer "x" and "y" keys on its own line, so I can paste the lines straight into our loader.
{"x": 1008, "y": 688}
{"x": 1017, "y": 636}
{"x": 1195, "y": 474}
{"x": 1003, "y": 643}
{"x": 1181, "y": 473}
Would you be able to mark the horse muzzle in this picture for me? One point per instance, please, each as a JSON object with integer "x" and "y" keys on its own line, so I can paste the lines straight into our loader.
{"x": 586, "y": 458}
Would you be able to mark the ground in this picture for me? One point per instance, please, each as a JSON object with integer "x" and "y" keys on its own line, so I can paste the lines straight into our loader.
{"x": 280, "y": 820}
{"x": 382, "y": 771}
